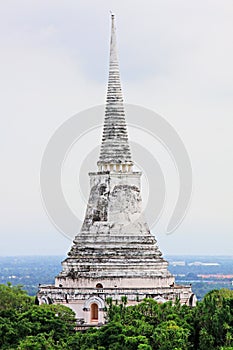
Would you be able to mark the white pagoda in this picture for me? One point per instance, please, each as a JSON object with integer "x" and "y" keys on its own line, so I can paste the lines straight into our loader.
{"x": 114, "y": 254}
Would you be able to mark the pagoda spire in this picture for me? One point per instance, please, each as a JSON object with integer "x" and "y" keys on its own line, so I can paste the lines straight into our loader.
{"x": 115, "y": 152}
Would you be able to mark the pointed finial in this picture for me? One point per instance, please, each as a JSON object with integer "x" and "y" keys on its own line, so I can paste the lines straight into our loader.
{"x": 113, "y": 49}
{"x": 113, "y": 17}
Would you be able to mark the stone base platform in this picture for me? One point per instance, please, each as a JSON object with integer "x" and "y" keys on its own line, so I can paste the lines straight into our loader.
{"x": 89, "y": 304}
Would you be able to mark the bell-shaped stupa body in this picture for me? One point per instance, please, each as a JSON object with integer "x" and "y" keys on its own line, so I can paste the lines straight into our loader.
{"x": 114, "y": 254}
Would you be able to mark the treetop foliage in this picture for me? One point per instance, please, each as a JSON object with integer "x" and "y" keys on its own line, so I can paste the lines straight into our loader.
{"x": 144, "y": 326}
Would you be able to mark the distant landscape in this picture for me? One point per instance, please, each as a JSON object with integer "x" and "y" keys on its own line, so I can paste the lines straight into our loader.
{"x": 204, "y": 273}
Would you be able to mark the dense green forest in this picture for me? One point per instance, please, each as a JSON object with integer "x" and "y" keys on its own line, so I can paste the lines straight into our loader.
{"x": 145, "y": 326}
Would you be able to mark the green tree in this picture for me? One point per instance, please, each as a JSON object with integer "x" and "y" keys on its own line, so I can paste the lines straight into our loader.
{"x": 14, "y": 297}
{"x": 21, "y": 320}
{"x": 169, "y": 336}
{"x": 213, "y": 320}
{"x": 47, "y": 318}
{"x": 41, "y": 342}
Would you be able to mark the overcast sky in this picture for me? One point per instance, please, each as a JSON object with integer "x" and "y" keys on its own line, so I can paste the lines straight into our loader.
{"x": 175, "y": 58}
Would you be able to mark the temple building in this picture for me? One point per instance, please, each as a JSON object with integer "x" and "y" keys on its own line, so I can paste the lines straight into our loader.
{"x": 114, "y": 254}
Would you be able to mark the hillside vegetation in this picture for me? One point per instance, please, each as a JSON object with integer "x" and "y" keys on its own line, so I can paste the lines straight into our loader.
{"x": 145, "y": 326}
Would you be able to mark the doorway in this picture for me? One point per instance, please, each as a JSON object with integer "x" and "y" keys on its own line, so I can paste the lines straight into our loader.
{"x": 94, "y": 312}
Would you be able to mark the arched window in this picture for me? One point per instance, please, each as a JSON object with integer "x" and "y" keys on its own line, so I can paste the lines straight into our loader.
{"x": 94, "y": 312}
{"x": 99, "y": 285}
